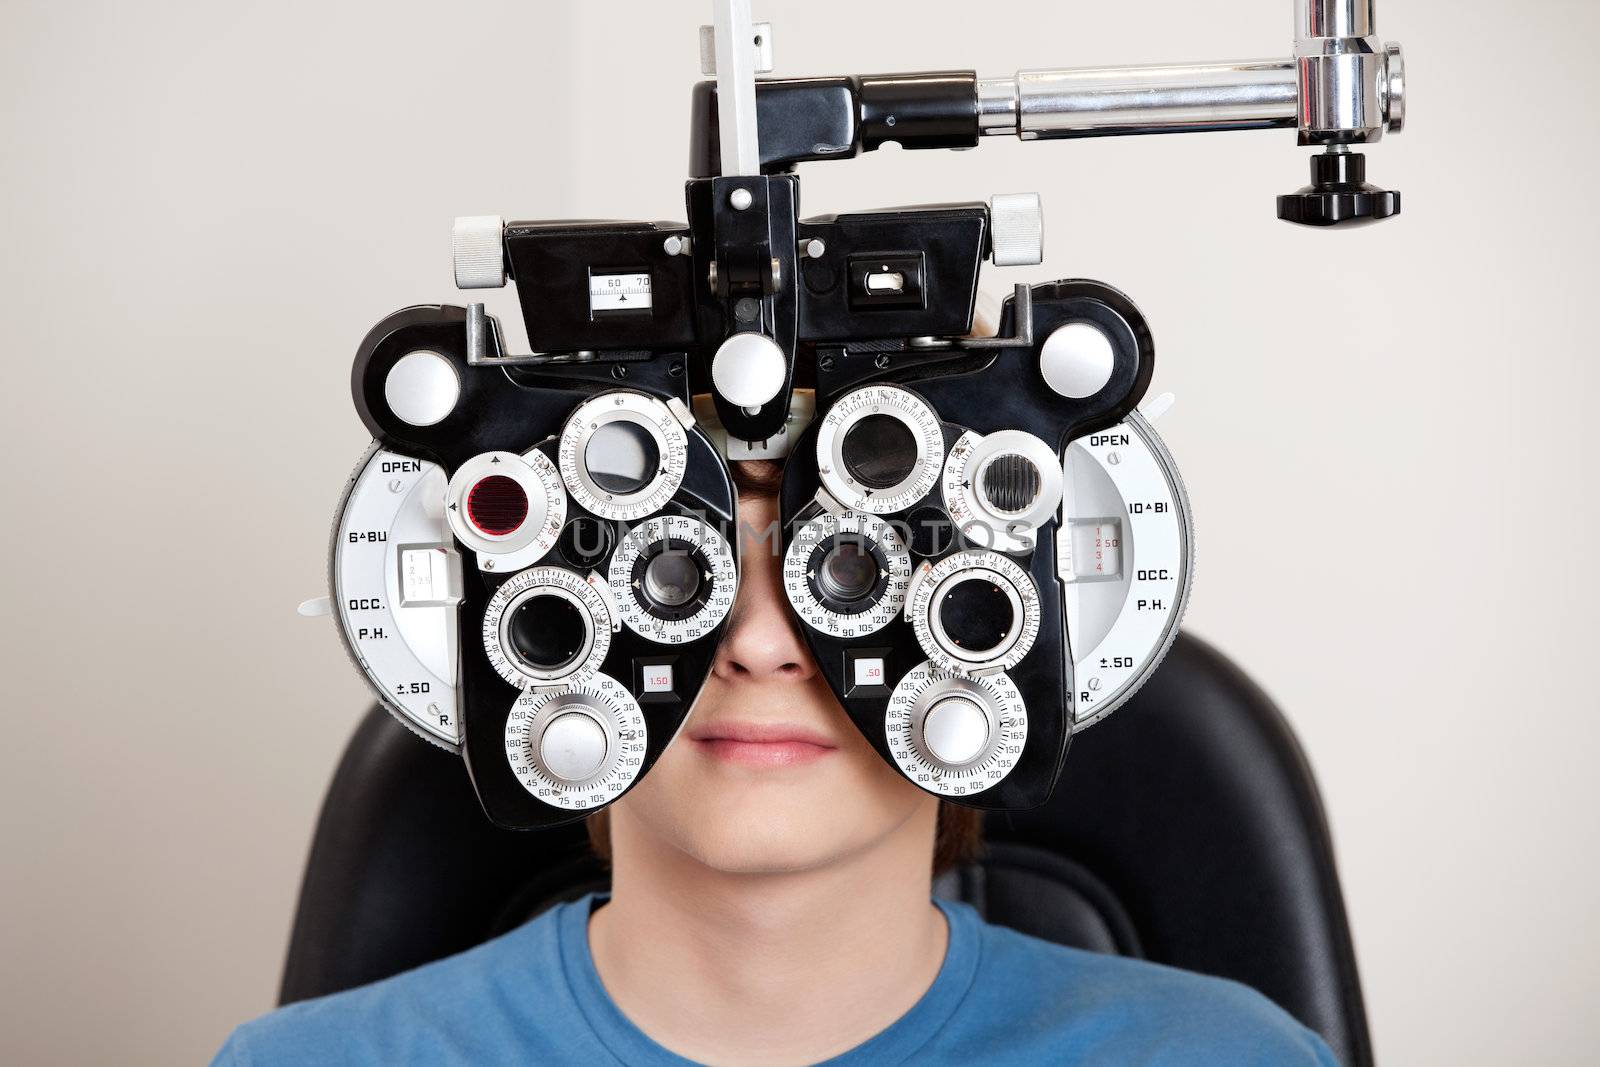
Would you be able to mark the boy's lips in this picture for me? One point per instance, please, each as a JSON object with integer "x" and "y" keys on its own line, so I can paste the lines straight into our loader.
{"x": 761, "y": 744}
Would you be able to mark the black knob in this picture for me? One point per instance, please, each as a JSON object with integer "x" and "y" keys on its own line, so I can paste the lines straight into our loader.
{"x": 1339, "y": 194}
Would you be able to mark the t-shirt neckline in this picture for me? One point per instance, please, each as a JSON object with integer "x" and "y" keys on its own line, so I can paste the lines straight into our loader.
{"x": 895, "y": 1044}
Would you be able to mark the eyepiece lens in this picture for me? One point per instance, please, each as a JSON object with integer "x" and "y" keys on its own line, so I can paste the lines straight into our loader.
{"x": 976, "y": 615}
{"x": 622, "y": 457}
{"x": 548, "y": 632}
{"x": 848, "y": 571}
{"x": 672, "y": 579}
{"x": 879, "y": 451}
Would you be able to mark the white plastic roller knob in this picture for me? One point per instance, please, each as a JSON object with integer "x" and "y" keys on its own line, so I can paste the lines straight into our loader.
{"x": 1016, "y": 223}
{"x": 475, "y": 243}
{"x": 748, "y": 370}
{"x": 573, "y": 747}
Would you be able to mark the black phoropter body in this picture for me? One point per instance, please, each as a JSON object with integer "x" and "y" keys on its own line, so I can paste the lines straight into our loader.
{"x": 506, "y": 414}
{"x": 985, "y": 543}
{"x": 973, "y": 393}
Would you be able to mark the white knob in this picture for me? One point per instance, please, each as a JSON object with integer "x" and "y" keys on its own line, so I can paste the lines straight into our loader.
{"x": 422, "y": 388}
{"x": 480, "y": 259}
{"x": 573, "y": 747}
{"x": 956, "y": 731}
{"x": 1016, "y": 223}
{"x": 1077, "y": 360}
{"x": 748, "y": 370}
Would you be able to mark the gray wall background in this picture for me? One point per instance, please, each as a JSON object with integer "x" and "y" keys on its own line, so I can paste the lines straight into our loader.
{"x": 205, "y": 207}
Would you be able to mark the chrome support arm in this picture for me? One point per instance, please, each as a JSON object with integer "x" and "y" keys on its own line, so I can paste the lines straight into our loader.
{"x": 1110, "y": 101}
{"x": 1342, "y": 85}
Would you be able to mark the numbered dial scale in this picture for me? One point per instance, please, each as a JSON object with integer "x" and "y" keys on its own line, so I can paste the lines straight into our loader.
{"x": 674, "y": 578}
{"x": 576, "y": 748}
{"x": 565, "y": 636}
{"x": 1125, "y": 555}
{"x": 974, "y": 612}
{"x": 623, "y": 455}
{"x": 879, "y": 449}
{"x": 953, "y": 734}
{"x": 847, "y": 574}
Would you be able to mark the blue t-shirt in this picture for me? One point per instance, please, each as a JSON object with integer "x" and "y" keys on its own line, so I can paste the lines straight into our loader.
{"x": 533, "y": 996}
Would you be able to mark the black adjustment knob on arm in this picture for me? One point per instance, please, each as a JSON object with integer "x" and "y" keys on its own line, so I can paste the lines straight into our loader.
{"x": 1339, "y": 194}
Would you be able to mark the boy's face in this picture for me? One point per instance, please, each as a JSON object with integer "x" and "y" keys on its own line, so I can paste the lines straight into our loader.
{"x": 769, "y": 774}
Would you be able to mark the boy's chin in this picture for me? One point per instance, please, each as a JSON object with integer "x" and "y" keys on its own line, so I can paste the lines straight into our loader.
{"x": 738, "y": 822}
{"x": 770, "y": 838}
{"x": 762, "y": 832}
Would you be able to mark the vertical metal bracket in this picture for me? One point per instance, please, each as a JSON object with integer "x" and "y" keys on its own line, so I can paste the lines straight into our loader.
{"x": 736, "y": 52}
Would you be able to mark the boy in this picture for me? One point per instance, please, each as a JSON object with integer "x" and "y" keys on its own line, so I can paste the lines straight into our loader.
{"x": 771, "y": 903}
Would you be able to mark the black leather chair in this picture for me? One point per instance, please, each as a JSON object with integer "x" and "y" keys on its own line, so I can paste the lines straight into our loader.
{"x": 1187, "y": 829}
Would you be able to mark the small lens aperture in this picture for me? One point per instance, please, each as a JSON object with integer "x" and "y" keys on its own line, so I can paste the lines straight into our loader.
{"x": 848, "y": 572}
{"x": 622, "y": 457}
{"x": 672, "y": 579}
{"x": 548, "y": 632}
{"x": 586, "y": 542}
{"x": 880, "y": 451}
{"x": 976, "y": 615}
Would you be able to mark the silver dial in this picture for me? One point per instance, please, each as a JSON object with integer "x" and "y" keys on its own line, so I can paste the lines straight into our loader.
{"x": 879, "y": 449}
{"x": 953, "y": 734}
{"x": 578, "y": 747}
{"x": 675, "y": 579}
{"x": 974, "y": 612}
{"x": 547, "y": 626}
{"x": 623, "y": 454}
{"x": 847, "y": 574}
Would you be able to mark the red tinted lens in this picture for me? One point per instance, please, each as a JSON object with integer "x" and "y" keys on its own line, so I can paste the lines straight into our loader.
{"x": 497, "y": 505}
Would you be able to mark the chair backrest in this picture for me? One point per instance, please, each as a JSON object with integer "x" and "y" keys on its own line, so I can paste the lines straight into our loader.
{"x": 1187, "y": 829}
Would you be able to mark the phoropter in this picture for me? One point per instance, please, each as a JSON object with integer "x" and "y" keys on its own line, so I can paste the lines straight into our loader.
{"x": 987, "y": 545}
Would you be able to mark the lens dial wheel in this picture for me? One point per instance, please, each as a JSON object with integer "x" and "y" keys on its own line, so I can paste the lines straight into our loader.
{"x": 578, "y": 747}
{"x": 974, "y": 612}
{"x": 675, "y": 579}
{"x": 623, "y": 454}
{"x": 833, "y": 595}
{"x": 955, "y": 735}
{"x": 879, "y": 449}
{"x": 547, "y": 626}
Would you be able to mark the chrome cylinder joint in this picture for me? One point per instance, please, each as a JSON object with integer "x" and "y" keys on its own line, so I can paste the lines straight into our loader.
{"x": 1349, "y": 81}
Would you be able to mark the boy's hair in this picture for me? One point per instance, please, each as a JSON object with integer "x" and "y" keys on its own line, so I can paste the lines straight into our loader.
{"x": 959, "y": 835}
